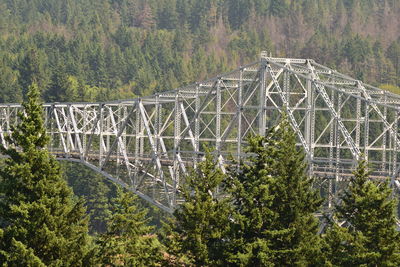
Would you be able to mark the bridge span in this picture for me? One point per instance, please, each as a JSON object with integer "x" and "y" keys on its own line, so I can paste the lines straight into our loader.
{"x": 148, "y": 144}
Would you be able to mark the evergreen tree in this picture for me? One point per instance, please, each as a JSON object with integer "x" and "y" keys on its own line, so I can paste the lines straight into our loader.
{"x": 294, "y": 201}
{"x": 57, "y": 91}
{"x": 19, "y": 253}
{"x": 9, "y": 88}
{"x": 32, "y": 70}
{"x": 96, "y": 191}
{"x": 251, "y": 196}
{"x": 128, "y": 240}
{"x": 200, "y": 223}
{"x": 274, "y": 202}
{"x": 368, "y": 235}
{"x": 38, "y": 214}
{"x": 393, "y": 53}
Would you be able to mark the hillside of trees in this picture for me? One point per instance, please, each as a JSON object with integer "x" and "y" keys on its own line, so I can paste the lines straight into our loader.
{"x": 95, "y": 50}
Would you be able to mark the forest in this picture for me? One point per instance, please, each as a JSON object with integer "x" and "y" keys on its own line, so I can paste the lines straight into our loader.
{"x": 100, "y": 50}
{"x": 88, "y": 50}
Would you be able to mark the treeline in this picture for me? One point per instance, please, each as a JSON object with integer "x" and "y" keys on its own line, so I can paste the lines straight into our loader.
{"x": 86, "y": 50}
{"x": 261, "y": 212}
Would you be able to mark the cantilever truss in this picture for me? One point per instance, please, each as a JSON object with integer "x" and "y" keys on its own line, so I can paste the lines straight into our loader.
{"x": 149, "y": 144}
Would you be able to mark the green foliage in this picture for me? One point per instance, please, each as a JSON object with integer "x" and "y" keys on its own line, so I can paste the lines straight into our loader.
{"x": 200, "y": 224}
{"x": 294, "y": 201}
{"x": 18, "y": 254}
{"x": 31, "y": 70}
{"x": 84, "y": 51}
{"x": 274, "y": 202}
{"x": 368, "y": 235}
{"x": 41, "y": 220}
{"x": 278, "y": 7}
{"x": 96, "y": 191}
{"x": 128, "y": 240}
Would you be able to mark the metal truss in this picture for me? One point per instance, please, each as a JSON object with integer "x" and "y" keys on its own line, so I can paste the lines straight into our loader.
{"x": 149, "y": 144}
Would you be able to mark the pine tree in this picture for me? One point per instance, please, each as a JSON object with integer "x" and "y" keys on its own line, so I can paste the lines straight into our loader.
{"x": 294, "y": 201}
{"x": 57, "y": 90}
{"x": 97, "y": 192}
{"x": 19, "y": 253}
{"x": 200, "y": 224}
{"x": 128, "y": 240}
{"x": 251, "y": 196}
{"x": 32, "y": 70}
{"x": 38, "y": 214}
{"x": 274, "y": 202}
{"x": 9, "y": 88}
{"x": 368, "y": 235}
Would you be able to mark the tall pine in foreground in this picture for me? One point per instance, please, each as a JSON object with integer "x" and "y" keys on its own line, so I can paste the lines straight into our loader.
{"x": 367, "y": 235}
{"x": 274, "y": 202}
{"x": 294, "y": 201}
{"x": 41, "y": 222}
{"x": 197, "y": 232}
{"x": 128, "y": 240}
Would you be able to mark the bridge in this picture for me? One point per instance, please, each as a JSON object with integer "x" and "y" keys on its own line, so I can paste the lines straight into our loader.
{"x": 149, "y": 144}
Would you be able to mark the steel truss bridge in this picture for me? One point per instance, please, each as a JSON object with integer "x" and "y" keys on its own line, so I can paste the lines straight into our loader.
{"x": 149, "y": 144}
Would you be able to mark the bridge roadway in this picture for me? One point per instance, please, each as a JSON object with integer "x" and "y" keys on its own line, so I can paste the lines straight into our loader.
{"x": 148, "y": 144}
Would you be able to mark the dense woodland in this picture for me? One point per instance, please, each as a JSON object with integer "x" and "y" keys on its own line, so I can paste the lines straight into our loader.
{"x": 96, "y": 50}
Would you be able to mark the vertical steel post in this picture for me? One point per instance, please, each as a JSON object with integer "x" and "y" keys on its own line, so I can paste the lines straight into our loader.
{"x": 358, "y": 121}
{"x": 218, "y": 118}
{"x": 101, "y": 131}
{"x": 262, "y": 97}
{"x": 395, "y": 146}
{"x": 196, "y": 125}
{"x": 177, "y": 140}
{"x": 8, "y": 128}
{"x": 286, "y": 86}
{"x": 118, "y": 124}
{"x": 337, "y": 134}
{"x": 157, "y": 124}
{"x": 384, "y": 137}
{"x": 197, "y": 119}
{"x": 310, "y": 124}
{"x": 138, "y": 132}
{"x": 125, "y": 130}
{"x": 366, "y": 130}
{"x": 332, "y": 143}
{"x": 84, "y": 129}
{"x": 108, "y": 127}
{"x": 239, "y": 111}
